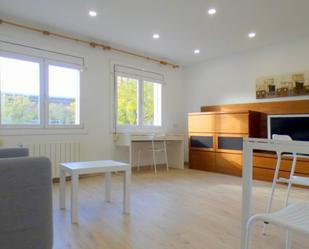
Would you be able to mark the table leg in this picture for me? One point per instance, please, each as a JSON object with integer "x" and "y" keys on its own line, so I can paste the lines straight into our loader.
{"x": 62, "y": 189}
{"x": 131, "y": 153}
{"x": 108, "y": 191}
{"x": 126, "y": 191}
{"x": 74, "y": 198}
{"x": 246, "y": 191}
{"x": 182, "y": 155}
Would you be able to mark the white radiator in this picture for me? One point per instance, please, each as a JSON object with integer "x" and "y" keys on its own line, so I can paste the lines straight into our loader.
{"x": 57, "y": 152}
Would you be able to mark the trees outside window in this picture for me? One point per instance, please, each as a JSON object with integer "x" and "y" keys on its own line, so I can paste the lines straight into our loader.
{"x": 152, "y": 104}
{"x": 63, "y": 95}
{"x": 138, "y": 102}
{"x": 127, "y": 101}
{"x": 20, "y": 91}
{"x": 29, "y": 98}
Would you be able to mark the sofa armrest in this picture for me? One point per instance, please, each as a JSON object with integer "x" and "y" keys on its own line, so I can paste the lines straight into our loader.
{"x": 14, "y": 152}
{"x": 25, "y": 203}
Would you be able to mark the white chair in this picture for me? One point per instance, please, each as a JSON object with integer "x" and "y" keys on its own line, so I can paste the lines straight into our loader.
{"x": 294, "y": 218}
{"x": 158, "y": 145}
{"x": 292, "y": 179}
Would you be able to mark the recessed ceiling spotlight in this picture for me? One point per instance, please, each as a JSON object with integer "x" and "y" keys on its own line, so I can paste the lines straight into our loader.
{"x": 212, "y": 11}
{"x": 251, "y": 35}
{"x": 92, "y": 13}
{"x": 196, "y": 51}
{"x": 155, "y": 36}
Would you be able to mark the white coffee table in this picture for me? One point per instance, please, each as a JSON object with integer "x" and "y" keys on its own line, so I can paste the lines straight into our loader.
{"x": 74, "y": 169}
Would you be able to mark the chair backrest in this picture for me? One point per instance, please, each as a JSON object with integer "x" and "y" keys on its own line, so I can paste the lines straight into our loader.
{"x": 158, "y": 137}
{"x": 281, "y": 137}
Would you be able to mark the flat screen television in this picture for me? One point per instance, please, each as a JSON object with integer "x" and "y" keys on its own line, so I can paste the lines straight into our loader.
{"x": 296, "y": 126}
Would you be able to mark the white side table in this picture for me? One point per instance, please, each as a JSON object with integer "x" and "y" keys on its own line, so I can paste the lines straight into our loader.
{"x": 74, "y": 169}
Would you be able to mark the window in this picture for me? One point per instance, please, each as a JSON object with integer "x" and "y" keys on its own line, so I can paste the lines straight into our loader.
{"x": 138, "y": 99}
{"x": 127, "y": 101}
{"x": 20, "y": 92}
{"x": 63, "y": 96}
{"x": 38, "y": 93}
{"x": 152, "y": 103}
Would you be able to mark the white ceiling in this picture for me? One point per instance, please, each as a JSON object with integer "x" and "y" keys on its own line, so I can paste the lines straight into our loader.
{"x": 183, "y": 25}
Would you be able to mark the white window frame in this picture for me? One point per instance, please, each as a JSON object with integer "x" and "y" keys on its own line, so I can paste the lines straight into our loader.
{"x": 46, "y": 116}
{"x": 40, "y": 61}
{"x": 43, "y": 97}
{"x": 140, "y": 105}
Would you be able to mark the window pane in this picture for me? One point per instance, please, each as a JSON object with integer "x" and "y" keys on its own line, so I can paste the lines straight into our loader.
{"x": 20, "y": 91}
{"x": 127, "y": 99}
{"x": 152, "y": 104}
{"x": 63, "y": 99}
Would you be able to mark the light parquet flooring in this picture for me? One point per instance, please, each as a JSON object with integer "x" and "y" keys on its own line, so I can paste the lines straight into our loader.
{"x": 179, "y": 209}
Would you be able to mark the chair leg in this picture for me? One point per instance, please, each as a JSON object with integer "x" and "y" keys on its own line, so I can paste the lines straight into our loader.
{"x": 248, "y": 235}
{"x": 273, "y": 188}
{"x": 290, "y": 180}
{"x": 139, "y": 160}
{"x": 288, "y": 242}
{"x": 154, "y": 161}
{"x": 165, "y": 155}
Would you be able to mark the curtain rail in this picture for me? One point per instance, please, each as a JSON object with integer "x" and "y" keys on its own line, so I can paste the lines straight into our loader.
{"x": 87, "y": 42}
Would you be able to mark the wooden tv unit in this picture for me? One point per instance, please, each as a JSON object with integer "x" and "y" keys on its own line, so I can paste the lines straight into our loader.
{"x": 216, "y": 133}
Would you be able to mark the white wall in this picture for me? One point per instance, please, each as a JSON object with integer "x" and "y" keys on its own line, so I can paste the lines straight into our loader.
{"x": 96, "y": 101}
{"x": 231, "y": 79}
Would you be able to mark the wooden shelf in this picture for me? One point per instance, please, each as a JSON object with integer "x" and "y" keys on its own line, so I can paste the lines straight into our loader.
{"x": 238, "y": 121}
{"x": 226, "y": 131}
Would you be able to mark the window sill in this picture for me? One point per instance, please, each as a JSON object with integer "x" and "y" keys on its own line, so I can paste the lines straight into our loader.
{"x": 30, "y": 131}
{"x": 145, "y": 129}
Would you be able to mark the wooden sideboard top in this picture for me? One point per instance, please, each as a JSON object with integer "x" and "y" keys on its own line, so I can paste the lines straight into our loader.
{"x": 221, "y": 112}
{"x": 278, "y": 107}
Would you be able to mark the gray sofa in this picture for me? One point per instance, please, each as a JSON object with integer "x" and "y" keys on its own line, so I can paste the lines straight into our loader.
{"x": 25, "y": 201}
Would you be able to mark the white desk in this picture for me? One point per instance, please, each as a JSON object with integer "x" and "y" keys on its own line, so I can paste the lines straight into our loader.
{"x": 250, "y": 144}
{"x": 175, "y": 146}
{"x": 107, "y": 166}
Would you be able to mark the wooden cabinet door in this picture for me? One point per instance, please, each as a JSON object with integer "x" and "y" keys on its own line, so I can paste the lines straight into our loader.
{"x": 229, "y": 163}
{"x": 229, "y": 142}
{"x": 202, "y": 160}
{"x": 204, "y": 123}
{"x": 232, "y": 123}
{"x": 267, "y": 174}
{"x": 269, "y": 163}
{"x": 202, "y": 141}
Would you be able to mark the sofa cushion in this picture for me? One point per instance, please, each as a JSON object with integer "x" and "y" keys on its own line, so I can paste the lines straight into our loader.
{"x": 14, "y": 152}
{"x": 25, "y": 203}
